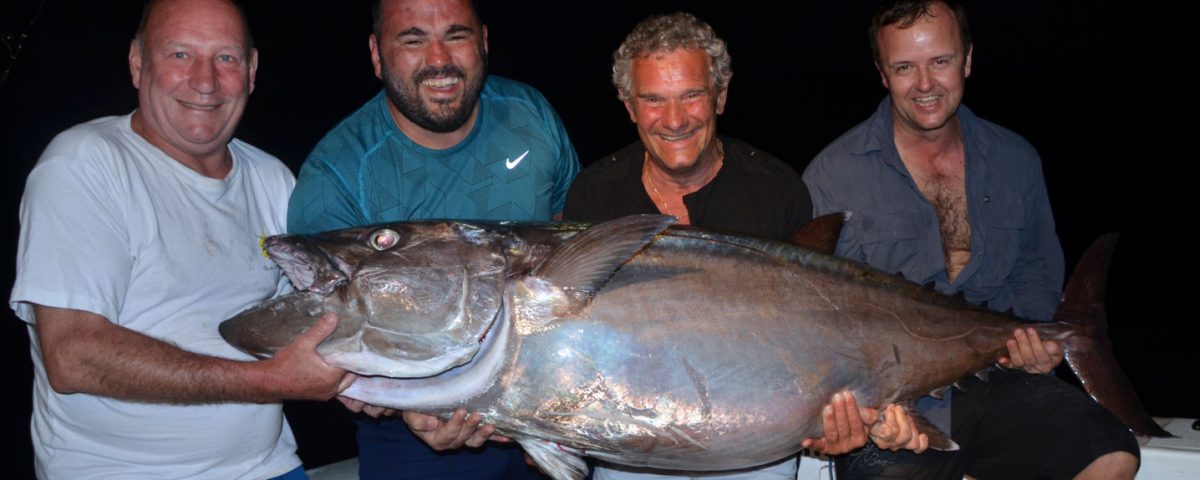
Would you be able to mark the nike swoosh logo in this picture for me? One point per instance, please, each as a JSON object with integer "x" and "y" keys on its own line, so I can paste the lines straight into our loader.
{"x": 511, "y": 164}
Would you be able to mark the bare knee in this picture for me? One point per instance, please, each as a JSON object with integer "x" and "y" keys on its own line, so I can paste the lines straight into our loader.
{"x": 1114, "y": 465}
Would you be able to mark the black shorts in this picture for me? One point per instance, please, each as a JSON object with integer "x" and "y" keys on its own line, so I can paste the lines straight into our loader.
{"x": 1014, "y": 426}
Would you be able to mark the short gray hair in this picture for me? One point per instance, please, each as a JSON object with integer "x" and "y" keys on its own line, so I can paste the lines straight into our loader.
{"x": 664, "y": 33}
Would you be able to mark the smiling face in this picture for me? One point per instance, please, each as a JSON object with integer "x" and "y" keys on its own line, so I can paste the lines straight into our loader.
{"x": 675, "y": 106}
{"x": 431, "y": 56}
{"x": 924, "y": 68}
{"x": 194, "y": 72}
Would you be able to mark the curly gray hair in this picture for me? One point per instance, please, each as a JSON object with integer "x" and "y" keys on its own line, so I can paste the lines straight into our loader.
{"x": 664, "y": 33}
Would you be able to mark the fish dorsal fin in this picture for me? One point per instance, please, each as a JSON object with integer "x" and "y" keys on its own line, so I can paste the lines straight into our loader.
{"x": 821, "y": 234}
{"x": 938, "y": 440}
{"x": 587, "y": 260}
{"x": 559, "y": 462}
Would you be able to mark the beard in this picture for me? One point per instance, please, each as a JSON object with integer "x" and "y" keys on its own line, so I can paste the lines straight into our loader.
{"x": 444, "y": 117}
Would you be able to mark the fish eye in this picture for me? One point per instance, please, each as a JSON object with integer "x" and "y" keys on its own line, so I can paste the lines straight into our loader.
{"x": 384, "y": 239}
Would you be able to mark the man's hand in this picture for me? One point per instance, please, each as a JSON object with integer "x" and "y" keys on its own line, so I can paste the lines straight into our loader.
{"x": 461, "y": 429}
{"x": 1027, "y": 351}
{"x": 846, "y": 428}
{"x": 359, "y": 406}
{"x": 303, "y": 373}
{"x": 897, "y": 431}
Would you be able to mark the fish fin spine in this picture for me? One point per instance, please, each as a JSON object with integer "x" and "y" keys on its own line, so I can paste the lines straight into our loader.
{"x": 938, "y": 440}
{"x": 560, "y": 463}
{"x": 589, "y": 259}
{"x": 822, "y": 233}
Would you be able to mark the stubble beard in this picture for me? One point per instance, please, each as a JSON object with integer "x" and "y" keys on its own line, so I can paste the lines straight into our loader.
{"x": 407, "y": 98}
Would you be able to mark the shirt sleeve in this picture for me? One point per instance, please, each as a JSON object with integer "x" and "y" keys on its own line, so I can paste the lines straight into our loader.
{"x": 568, "y": 162}
{"x": 821, "y": 190}
{"x": 323, "y": 200}
{"x": 74, "y": 246}
{"x": 1037, "y": 276}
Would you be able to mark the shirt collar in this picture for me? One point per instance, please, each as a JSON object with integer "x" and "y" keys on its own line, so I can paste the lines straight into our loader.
{"x": 880, "y": 138}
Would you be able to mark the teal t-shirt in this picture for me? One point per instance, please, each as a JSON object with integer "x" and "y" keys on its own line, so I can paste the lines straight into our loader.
{"x": 516, "y": 164}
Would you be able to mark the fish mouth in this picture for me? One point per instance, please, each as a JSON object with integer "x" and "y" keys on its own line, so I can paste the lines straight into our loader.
{"x": 306, "y": 265}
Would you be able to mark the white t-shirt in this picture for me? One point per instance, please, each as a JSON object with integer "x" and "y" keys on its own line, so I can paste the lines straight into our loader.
{"x": 111, "y": 225}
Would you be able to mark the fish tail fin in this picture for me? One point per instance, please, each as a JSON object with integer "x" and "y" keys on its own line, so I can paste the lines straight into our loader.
{"x": 1089, "y": 351}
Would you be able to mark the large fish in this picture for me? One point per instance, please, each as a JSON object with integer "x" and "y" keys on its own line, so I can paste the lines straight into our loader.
{"x": 643, "y": 344}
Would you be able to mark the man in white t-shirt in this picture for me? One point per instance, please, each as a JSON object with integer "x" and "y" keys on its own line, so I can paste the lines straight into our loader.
{"x": 139, "y": 235}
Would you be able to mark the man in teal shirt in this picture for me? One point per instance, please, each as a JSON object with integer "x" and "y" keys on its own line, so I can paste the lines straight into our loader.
{"x": 443, "y": 140}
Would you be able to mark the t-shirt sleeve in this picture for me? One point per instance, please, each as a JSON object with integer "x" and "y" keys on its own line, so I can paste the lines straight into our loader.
{"x": 323, "y": 199}
{"x": 73, "y": 250}
{"x": 568, "y": 162}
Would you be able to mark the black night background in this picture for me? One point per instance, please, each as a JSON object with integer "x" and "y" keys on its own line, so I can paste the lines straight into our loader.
{"x": 1105, "y": 90}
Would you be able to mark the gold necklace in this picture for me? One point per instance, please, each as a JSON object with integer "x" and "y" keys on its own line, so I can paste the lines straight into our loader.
{"x": 659, "y": 200}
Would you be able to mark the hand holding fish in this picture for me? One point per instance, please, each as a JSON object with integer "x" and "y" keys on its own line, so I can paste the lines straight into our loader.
{"x": 1027, "y": 351}
{"x": 304, "y": 374}
{"x": 844, "y": 424}
{"x": 359, "y": 406}
{"x": 897, "y": 431}
{"x": 462, "y": 429}
{"x": 846, "y": 428}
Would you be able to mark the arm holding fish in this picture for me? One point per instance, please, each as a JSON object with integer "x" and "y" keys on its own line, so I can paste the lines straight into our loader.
{"x": 846, "y": 428}
{"x": 1036, "y": 282}
{"x": 461, "y": 429}
{"x": 1027, "y": 351}
{"x": 359, "y": 406}
{"x": 85, "y": 352}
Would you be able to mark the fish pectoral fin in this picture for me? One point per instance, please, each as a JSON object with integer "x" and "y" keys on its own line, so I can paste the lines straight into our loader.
{"x": 586, "y": 261}
{"x": 938, "y": 440}
{"x": 557, "y": 461}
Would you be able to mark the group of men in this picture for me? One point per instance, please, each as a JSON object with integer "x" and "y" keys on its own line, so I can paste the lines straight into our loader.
{"x": 132, "y": 377}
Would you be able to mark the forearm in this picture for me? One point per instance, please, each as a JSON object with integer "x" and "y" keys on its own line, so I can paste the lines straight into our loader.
{"x": 85, "y": 353}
